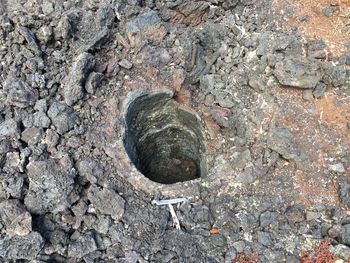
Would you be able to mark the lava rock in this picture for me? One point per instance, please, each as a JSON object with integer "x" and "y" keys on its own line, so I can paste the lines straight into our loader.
{"x": 84, "y": 245}
{"x": 298, "y": 72}
{"x": 41, "y": 120}
{"x": 31, "y": 40}
{"x": 50, "y": 183}
{"x": 19, "y": 94}
{"x": 90, "y": 169}
{"x": 73, "y": 90}
{"x": 334, "y": 75}
{"x": 15, "y": 218}
{"x": 62, "y": 117}
{"x": 317, "y": 49}
{"x": 338, "y": 168}
{"x": 267, "y": 218}
{"x": 107, "y": 201}
{"x": 341, "y": 251}
{"x": 9, "y": 128}
{"x": 295, "y": 214}
{"x": 281, "y": 140}
{"x": 319, "y": 90}
{"x": 229, "y": 4}
{"x": 124, "y": 63}
{"x": 93, "y": 82}
{"x": 344, "y": 194}
{"x": 21, "y": 247}
{"x": 143, "y": 21}
{"x": 345, "y": 234}
{"x": 32, "y": 136}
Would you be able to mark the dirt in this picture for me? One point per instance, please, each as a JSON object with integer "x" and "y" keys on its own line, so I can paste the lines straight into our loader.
{"x": 250, "y": 116}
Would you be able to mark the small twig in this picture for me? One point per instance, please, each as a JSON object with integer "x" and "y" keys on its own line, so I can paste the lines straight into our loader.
{"x": 173, "y": 215}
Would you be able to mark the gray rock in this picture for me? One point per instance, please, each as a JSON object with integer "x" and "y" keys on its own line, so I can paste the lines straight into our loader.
{"x": 51, "y": 138}
{"x": 257, "y": 84}
{"x": 124, "y": 63}
{"x": 115, "y": 205}
{"x": 90, "y": 170}
{"x": 15, "y": 218}
{"x": 295, "y": 214}
{"x": 341, "y": 251}
{"x": 84, "y": 245}
{"x": 50, "y": 184}
{"x": 308, "y": 95}
{"x": 334, "y": 75}
{"x": 32, "y": 136}
{"x": 317, "y": 49}
{"x": 338, "y": 168}
{"x": 31, "y": 40}
{"x": 345, "y": 234}
{"x": 281, "y": 140}
{"x": 9, "y": 128}
{"x": 45, "y": 34}
{"x": 267, "y": 218}
{"x": 21, "y": 247}
{"x": 265, "y": 239}
{"x": 13, "y": 185}
{"x": 319, "y": 90}
{"x": 298, "y": 72}
{"x": 228, "y": 4}
{"x": 93, "y": 82}
{"x": 144, "y": 20}
{"x": 19, "y": 94}
{"x": 344, "y": 194}
{"x": 62, "y": 117}
{"x": 328, "y": 11}
{"x": 41, "y": 120}
{"x": 73, "y": 89}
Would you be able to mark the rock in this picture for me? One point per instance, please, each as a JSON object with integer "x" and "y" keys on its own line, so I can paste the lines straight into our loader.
{"x": 73, "y": 89}
{"x": 115, "y": 205}
{"x": 62, "y": 117}
{"x": 295, "y": 214}
{"x": 19, "y": 94}
{"x": 50, "y": 184}
{"x": 21, "y": 247}
{"x": 345, "y": 234}
{"x": 341, "y": 251}
{"x": 15, "y": 218}
{"x": 51, "y": 138}
{"x": 32, "y": 136}
{"x": 90, "y": 169}
{"x": 317, "y": 49}
{"x": 257, "y": 84}
{"x": 84, "y": 245}
{"x": 31, "y": 40}
{"x": 298, "y": 72}
{"x": 265, "y": 239}
{"x": 144, "y": 20}
{"x": 334, "y": 75}
{"x": 124, "y": 63}
{"x": 308, "y": 95}
{"x": 338, "y": 168}
{"x": 319, "y": 90}
{"x": 328, "y": 11}
{"x": 41, "y": 120}
{"x": 13, "y": 185}
{"x": 344, "y": 194}
{"x": 93, "y": 82}
{"x": 9, "y": 128}
{"x": 281, "y": 140}
{"x": 312, "y": 215}
{"x": 45, "y": 34}
{"x": 229, "y": 4}
{"x": 267, "y": 218}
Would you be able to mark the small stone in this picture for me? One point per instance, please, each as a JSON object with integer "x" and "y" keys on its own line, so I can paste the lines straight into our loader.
{"x": 312, "y": 215}
{"x": 295, "y": 214}
{"x": 257, "y": 84}
{"x": 51, "y": 138}
{"x": 41, "y": 120}
{"x": 9, "y": 128}
{"x": 345, "y": 234}
{"x": 62, "y": 117}
{"x": 19, "y": 93}
{"x": 265, "y": 239}
{"x": 341, "y": 251}
{"x": 115, "y": 205}
{"x": 93, "y": 81}
{"x": 319, "y": 90}
{"x": 124, "y": 63}
{"x": 344, "y": 194}
{"x": 334, "y": 231}
{"x": 307, "y": 95}
{"x": 45, "y": 34}
{"x": 338, "y": 168}
{"x": 84, "y": 245}
{"x": 248, "y": 43}
{"x": 31, "y": 136}
{"x": 267, "y": 218}
{"x": 328, "y": 11}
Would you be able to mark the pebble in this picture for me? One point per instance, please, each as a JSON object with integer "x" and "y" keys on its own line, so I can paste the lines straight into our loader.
{"x": 319, "y": 90}
{"x": 124, "y": 63}
{"x": 338, "y": 168}
{"x": 307, "y": 95}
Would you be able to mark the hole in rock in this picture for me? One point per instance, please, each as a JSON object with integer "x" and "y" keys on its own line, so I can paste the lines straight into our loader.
{"x": 163, "y": 141}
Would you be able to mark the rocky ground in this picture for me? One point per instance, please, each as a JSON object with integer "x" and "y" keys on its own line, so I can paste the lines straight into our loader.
{"x": 272, "y": 92}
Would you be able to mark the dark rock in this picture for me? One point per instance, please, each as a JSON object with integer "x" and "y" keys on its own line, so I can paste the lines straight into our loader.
{"x": 269, "y": 43}
{"x": 21, "y": 247}
{"x": 328, "y": 11}
{"x": 62, "y": 117}
{"x": 229, "y": 4}
{"x": 319, "y": 90}
{"x": 19, "y": 93}
{"x": 91, "y": 170}
{"x": 345, "y": 234}
{"x": 115, "y": 205}
{"x": 265, "y": 239}
{"x": 84, "y": 245}
{"x": 73, "y": 89}
{"x": 93, "y": 82}
{"x": 9, "y": 128}
{"x": 31, "y": 40}
{"x": 144, "y": 20}
{"x": 267, "y": 218}
{"x": 13, "y": 185}
{"x": 50, "y": 184}
{"x": 298, "y": 72}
